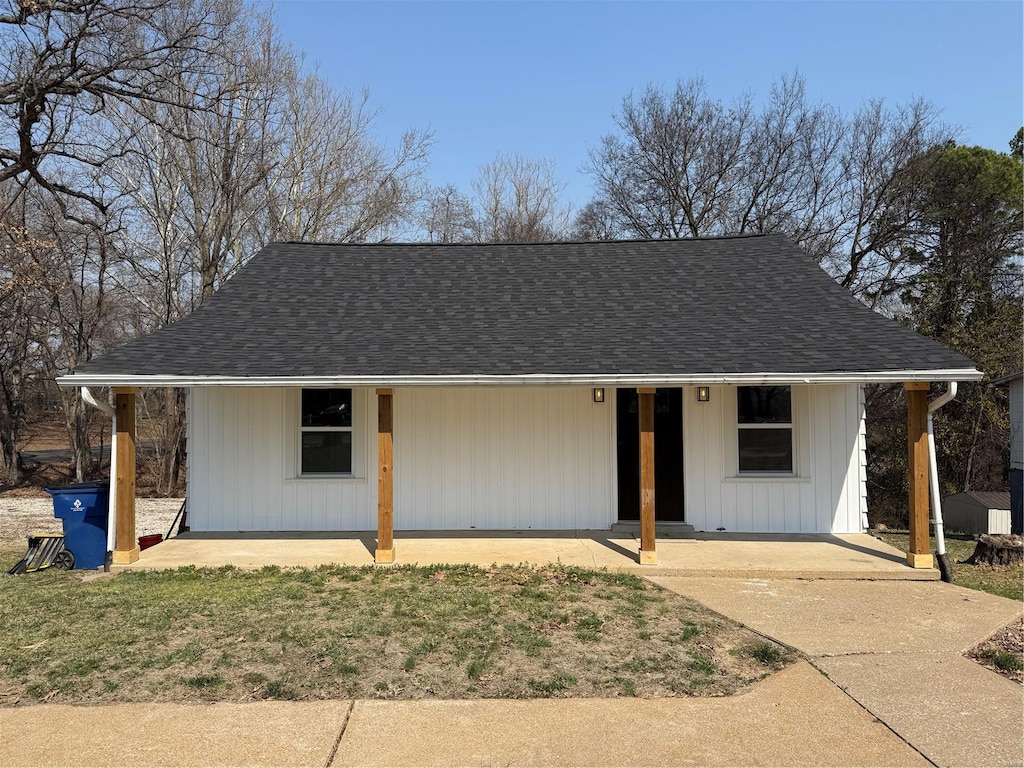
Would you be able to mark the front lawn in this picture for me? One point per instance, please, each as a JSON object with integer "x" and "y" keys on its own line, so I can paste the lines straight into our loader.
{"x": 1006, "y": 581}
{"x": 450, "y": 632}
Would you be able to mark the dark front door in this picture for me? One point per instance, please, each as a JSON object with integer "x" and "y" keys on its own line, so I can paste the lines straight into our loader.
{"x": 668, "y": 453}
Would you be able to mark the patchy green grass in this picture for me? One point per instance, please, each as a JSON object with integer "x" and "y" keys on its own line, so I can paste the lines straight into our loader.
{"x": 766, "y": 653}
{"x": 1006, "y": 581}
{"x": 1004, "y": 661}
{"x": 344, "y": 632}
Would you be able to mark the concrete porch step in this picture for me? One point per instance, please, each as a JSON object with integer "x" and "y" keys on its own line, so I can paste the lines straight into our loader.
{"x": 663, "y": 530}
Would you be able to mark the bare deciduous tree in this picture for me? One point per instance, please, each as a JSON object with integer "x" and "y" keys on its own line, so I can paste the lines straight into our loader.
{"x": 64, "y": 61}
{"x": 685, "y": 165}
{"x": 881, "y": 143}
{"x": 517, "y": 200}
{"x": 788, "y": 179}
{"x": 249, "y": 151}
{"x": 448, "y": 216}
{"x": 673, "y": 169}
{"x": 332, "y": 180}
{"x": 596, "y": 221}
{"x": 22, "y": 305}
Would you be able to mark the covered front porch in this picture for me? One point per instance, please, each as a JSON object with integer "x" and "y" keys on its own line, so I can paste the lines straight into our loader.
{"x": 736, "y": 555}
{"x": 801, "y": 554}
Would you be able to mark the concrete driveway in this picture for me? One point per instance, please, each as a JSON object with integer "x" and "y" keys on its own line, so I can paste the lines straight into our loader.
{"x": 895, "y": 648}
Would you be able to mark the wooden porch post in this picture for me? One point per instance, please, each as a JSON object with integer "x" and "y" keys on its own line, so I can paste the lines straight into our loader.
{"x": 126, "y": 547}
{"x": 919, "y": 554}
{"x": 385, "y": 486}
{"x": 648, "y": 555}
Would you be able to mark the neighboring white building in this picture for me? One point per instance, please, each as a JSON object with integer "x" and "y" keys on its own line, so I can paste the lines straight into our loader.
{"x": 1015, "y": 383}
{"x": 716, "y": 382}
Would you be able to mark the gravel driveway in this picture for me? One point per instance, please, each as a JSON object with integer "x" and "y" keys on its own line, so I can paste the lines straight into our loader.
{"x": 21, "y": 517}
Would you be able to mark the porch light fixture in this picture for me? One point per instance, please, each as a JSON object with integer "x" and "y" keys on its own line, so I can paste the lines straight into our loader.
{"x": 703, "y": 394}
{"x": 598, "y": 394}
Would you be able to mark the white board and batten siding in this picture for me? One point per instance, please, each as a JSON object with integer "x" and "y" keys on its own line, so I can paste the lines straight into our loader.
{"x": 827, "y": 493}
{"x": 503, "y": 458}
{"x": 485, "y": 458}
{"x": 510, "y": 458}
{"x": 243, "y": 465}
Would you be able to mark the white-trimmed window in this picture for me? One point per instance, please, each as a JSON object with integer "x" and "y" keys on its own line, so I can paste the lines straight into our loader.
{"x": 326, "y": 427}
{"x": 764, "y": 426}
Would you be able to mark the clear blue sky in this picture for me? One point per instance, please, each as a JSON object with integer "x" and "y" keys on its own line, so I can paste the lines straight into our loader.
{"x": 545, "y": 79}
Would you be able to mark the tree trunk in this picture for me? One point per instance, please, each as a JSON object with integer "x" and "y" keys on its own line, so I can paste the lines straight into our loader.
{"x": 975, "y": 431}
{"x": 83, "y": 455}
{"x": 997, "y": 550}
{"x": 10, "y": 460}
{"x": 76, "y": 422}
{"x": 173, "y": 438}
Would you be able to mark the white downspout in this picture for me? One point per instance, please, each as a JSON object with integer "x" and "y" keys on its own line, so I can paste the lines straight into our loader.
{"x": 108, "y": 409}
{"x": 933, "y": 476}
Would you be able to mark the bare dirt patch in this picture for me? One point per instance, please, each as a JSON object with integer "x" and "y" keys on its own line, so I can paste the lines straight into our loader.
{"x": 22, "y": 516}
{"x": 52, "y": 435}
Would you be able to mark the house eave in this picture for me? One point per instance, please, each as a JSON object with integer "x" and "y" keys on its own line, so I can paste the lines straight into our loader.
{"x": 535, "y": 379}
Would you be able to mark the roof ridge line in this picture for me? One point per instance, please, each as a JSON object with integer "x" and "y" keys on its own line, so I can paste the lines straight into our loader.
{"x": 406, "y": 243}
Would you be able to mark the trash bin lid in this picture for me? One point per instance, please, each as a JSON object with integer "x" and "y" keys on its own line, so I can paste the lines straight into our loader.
{"x": 97, "y": 486}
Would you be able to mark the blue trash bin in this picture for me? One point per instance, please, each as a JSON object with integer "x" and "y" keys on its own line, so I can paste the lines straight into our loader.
{"x": 82, "y": 510}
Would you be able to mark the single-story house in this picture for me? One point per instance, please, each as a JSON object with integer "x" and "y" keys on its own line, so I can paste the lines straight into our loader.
{"x": 714, "y": 381}
{"x": 977, "y": 512}
{"x": 1015, "y": 383}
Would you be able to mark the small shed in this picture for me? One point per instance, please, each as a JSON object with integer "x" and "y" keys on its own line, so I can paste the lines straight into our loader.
{"x": 977, "y": 512}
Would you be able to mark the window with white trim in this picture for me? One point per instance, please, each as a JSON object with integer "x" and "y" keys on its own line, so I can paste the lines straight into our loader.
{"x": 764, "y": 426}
{"x": 326, "y": 426}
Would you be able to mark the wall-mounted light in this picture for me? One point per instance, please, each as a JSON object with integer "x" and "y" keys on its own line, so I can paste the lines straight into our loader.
{"x": 598, "y": 394}
{"x": 703, "y": 394}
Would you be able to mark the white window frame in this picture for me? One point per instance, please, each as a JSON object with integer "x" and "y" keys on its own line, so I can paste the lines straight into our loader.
{"x": 791, "y": 472}
{"x": 351, "y": 429}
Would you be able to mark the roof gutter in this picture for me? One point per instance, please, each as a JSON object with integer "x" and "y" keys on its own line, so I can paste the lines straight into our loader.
{"x": 933, "y": 475}
{"x": 607, "y": 380}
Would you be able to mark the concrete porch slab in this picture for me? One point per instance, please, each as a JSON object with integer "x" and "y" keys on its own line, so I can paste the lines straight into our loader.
{"x": 801, "y": 556}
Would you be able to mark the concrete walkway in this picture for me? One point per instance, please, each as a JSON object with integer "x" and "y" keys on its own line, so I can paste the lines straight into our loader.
{"x": 897, "y": 650}
{"x": 794, "y": 718}
{"x": 848, "y": 556}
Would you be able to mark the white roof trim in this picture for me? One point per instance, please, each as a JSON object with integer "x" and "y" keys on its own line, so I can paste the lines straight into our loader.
{"x": 597, "y": 380}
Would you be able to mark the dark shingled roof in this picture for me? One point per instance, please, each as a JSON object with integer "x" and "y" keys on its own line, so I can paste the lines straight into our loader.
{"x": 698, "y": 306}
{"x": 987, "y": 499}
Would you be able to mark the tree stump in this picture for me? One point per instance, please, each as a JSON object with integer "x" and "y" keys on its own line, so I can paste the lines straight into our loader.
{"x": 997, "y": 550}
